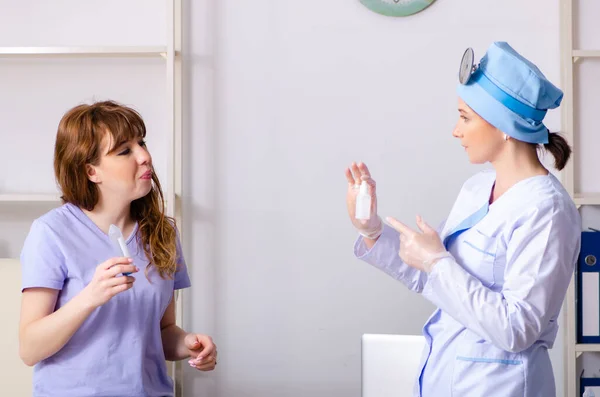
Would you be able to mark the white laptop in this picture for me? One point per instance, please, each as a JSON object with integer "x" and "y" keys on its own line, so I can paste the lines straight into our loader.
{"x": 390, "y": 364}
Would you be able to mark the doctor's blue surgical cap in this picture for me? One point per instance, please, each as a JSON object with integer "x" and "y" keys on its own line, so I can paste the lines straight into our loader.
{"x": 511, "y": 93}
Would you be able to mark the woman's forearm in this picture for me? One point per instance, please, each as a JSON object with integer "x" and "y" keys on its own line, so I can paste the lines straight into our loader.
{"x": 173, "y": 343}
{"x": 42, "y": 338}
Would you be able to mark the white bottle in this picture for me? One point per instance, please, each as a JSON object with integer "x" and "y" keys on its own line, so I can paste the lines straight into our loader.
{"x": 117, "y": 238}
{"x": 363, "y": 202}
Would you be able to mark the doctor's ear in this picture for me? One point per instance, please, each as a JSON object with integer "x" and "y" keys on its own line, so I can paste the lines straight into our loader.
{"x": 92, "y": 174}
{"x": 504, "y": 135}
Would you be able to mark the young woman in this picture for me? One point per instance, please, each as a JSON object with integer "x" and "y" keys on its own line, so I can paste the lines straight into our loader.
{"x": 88, "y": 327}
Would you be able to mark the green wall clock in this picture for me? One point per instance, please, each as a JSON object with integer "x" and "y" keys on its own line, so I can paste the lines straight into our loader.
{"x": 396, "y": 8}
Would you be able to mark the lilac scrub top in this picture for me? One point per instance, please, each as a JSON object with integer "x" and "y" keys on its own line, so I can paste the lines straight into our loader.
{"x": 118, "y": 350}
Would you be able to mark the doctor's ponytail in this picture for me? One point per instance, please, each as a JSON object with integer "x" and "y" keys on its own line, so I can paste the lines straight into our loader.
{"x": 559, "y": 148}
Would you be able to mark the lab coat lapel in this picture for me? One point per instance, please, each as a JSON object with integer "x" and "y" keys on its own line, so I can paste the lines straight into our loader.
{"x": 470, "y": 207}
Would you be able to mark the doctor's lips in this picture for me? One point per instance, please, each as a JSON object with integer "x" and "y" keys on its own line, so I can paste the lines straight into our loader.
{"x": 146, "y": 175}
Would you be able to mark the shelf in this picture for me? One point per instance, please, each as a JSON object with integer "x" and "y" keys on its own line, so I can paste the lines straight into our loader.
{"x": 29, "y": 198}
{"x": 120, "y": 51}
{"x": 586, "y": 53}
{"x": 587, "y": 347}
{"x": 587, "y": 199}
{"x": 579, "y": 54}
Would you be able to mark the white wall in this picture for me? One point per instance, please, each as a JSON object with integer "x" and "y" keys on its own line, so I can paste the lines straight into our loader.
{"x": 281, "y": 97}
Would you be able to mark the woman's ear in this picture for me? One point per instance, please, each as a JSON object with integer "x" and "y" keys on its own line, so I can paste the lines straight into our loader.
{"x": 92, "y": 173}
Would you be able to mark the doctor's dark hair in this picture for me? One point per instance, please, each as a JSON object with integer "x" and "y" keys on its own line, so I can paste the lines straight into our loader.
{"x": 79, "y": 143}
{"x": 559, "y": 148}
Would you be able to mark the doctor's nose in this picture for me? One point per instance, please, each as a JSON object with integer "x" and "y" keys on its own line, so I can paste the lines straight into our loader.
{"x": 456, "y": 132}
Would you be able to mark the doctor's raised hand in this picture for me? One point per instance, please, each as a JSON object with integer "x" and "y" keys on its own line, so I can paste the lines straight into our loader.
{"x": 368, "y": 224}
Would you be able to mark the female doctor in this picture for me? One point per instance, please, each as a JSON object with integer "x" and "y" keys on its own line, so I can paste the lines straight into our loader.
{"x": 499, "y": 266}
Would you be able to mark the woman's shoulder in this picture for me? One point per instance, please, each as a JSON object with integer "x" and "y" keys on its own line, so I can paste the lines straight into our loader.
{"x": 57, "y": 219}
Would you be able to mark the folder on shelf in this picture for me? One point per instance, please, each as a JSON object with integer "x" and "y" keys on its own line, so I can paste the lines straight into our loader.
{"x": 588, "y": 289}
{"x": 589, "y": 387}
{"x": 589, "y": 378}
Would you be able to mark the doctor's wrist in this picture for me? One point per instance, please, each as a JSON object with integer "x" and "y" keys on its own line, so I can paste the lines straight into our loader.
{"x": 430, "y": 262}
{"x": 374, "y": 232}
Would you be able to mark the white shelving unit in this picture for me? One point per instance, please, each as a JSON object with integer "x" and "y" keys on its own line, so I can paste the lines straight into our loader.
{"x": 587, "y": 347}
{"x": 585, "y": 53}
{"x": 127, "y": 52}
{"x": 587, "y": 199}
{"x": 29, "y": 198}
{"x": 171, "y": 53}
{"x": 569, "y": 57}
